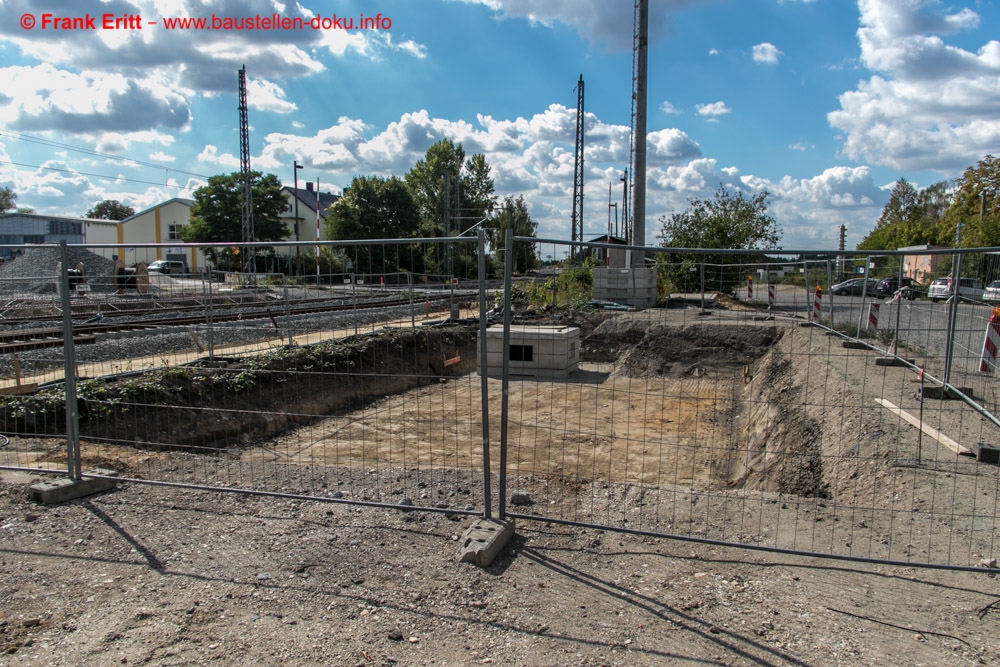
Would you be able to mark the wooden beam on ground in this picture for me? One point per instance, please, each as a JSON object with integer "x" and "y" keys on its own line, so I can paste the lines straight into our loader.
{"x": 930, "y": 431}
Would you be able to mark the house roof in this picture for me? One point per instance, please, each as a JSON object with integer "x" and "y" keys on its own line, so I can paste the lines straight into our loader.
{"x": 307, "y": 197}
{"x": 606, "y": 238}
{"x": 917, "y": 248}
{"x": 41, "y": 216}
{"x": 180, "y": 200}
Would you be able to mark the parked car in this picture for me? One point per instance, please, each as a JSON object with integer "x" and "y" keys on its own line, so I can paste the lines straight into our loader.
{"x": 888, "y": 286}
{"x": 992, "y": 293}
{"x": 164, "y": 266}
{"x": 854, "y": 287}
{"x": 969, "y": 289}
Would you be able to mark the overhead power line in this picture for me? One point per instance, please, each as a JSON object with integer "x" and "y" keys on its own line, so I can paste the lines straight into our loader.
{"x": 85, "y": 173}
{"x": 87, "y": 151}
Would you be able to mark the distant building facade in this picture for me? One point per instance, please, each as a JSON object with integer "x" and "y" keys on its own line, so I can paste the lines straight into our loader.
{"x": 18, "y": 229}
{"x": 920, "y": 266}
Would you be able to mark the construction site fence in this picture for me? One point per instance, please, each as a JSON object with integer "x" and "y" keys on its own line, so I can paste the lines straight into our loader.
{"x": 762, "y": 401}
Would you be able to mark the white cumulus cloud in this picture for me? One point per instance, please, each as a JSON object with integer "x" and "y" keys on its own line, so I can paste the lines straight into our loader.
{"x": 930, "y": 104}
{"x": 766, "y": 53}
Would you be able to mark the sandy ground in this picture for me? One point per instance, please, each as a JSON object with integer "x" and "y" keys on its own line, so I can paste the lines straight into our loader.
{"x": 163, "y": 576}
{"x": 762, "y": 450}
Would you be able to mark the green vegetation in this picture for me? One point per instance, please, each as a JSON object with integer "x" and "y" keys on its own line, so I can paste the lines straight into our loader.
{"x": 109, "y": 209}
{"x": 728, "y": 221}
{"x": 217, "y": 214}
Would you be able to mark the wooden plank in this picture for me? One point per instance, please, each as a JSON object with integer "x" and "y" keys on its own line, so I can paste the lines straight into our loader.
{"x": 928, "y": 430}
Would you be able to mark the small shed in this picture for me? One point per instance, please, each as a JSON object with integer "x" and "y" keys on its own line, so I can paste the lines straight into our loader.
{"x": 534, "y": 351}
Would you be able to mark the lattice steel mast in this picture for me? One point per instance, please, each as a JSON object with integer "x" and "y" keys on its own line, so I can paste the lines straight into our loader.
{"x": 576, "y": 233}
{"x": 247, "y": 254}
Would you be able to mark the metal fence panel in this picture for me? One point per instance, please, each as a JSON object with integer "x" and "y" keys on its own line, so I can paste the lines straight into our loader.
{"x": 355, "y": 385}
{"x": 754, "y": 422}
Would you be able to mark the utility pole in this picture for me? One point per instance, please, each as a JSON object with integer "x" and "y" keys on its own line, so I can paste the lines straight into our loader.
{"x": 639, "y": 167}
{"x": 840, "y": 258}
{"x": 625, "y": 231}
{"x": 245, "y": 170}
{"x": 576, "y": 232}
{"x": 298, "y": 250}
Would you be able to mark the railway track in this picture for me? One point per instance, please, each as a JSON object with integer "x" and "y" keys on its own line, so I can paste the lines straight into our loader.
{"x": 19, "y": 340}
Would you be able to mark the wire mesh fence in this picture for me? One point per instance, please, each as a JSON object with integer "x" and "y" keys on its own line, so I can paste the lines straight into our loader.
{"x": 765, "y": 404}
{"x": 346, "y": 386}
{"x": 783, "y": 403}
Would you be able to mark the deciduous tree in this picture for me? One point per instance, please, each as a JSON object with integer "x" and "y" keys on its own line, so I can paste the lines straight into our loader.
{"x": 217, "y": 213}
{"x": 512, "y": 214}
{"x": 728, "y": 221}
{"x": 110, "y": 209}
{"x": 373, "y": 207}
{"x": 8, "y": 200}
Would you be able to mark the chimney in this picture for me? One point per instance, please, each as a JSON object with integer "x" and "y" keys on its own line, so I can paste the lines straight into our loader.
{"x": 309, "y": 186}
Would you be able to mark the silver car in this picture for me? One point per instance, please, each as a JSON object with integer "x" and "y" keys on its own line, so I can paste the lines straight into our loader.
{"x": 991, "y": 294}
{"x": 969, "y": 289}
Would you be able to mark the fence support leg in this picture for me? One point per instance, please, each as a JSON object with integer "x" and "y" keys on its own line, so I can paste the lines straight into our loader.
{"x": 69, "y": 358}
{"x": 508, "y": 270}
{"x": 484, "y": 378}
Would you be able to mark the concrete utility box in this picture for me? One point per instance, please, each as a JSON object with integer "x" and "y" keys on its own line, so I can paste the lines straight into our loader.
{"x": 535, "y": 351}
{"x": 629, "y": 286}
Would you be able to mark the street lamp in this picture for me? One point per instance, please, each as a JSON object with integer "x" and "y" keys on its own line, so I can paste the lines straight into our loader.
{"x": 298, "y": 250}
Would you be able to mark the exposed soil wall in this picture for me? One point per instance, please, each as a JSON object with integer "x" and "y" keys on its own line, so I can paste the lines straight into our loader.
{"x": 216, "y": 403}
{"x": 778, "y": 445}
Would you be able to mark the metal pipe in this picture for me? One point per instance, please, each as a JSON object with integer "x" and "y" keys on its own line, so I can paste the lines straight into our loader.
{"x": 69, "y": 361}
{"x": 508, "y": 270}
{"x": 484, "y": 378}
{"x": 956, "y": 273}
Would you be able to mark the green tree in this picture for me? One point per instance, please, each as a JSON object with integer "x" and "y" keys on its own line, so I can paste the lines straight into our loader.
{"x": 8, "y": 200}
{"x": 110, "y": 209}
{"x": 512, "y": 214}
{"x": 452, "y": 195}
{"x": 911, "y": 217}
{"x": 728, "y": 221}
{"x": 373, "y": 207}
{"x": 217, "y": 213}
{"x": 976, "y": 206}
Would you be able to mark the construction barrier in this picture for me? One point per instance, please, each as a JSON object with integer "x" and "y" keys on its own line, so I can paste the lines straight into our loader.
{"x": 818, "y": 303}
{"x": 873, "y": 316}
{"x": 749, "y": 288}
{"x": 770, "y": 296}
{"x": 988, "y": 362}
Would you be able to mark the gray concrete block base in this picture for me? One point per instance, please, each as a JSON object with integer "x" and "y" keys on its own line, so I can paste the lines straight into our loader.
{"x": 483, "y": 541}
{"x": 61, "y": 490}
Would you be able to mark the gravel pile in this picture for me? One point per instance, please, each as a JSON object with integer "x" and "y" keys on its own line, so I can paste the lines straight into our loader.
{"x": 35, "y": 271}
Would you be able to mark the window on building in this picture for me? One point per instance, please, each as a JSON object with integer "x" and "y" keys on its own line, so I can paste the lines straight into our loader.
{"x": 174, "y": 232}
{"x": 522, "y": 352}
{"x": 65, "y": 228}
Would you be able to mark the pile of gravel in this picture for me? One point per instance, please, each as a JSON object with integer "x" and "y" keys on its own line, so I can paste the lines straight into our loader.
{"x": 35, "y": 271}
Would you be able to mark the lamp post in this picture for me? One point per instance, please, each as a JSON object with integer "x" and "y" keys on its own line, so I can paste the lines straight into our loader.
{"x": 298, "y": 250}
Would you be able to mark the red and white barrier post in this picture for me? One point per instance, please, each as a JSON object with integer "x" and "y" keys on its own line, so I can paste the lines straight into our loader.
{"x": 770, "y": 295}
{"x": 989, "y": 359}
{"x": 749, "y": 288}
{"x": 817, "y": 303}
{"x": 873, "y": 316}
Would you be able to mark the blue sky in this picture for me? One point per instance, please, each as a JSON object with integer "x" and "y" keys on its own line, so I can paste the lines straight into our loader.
{"x": 824, "y": 103}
